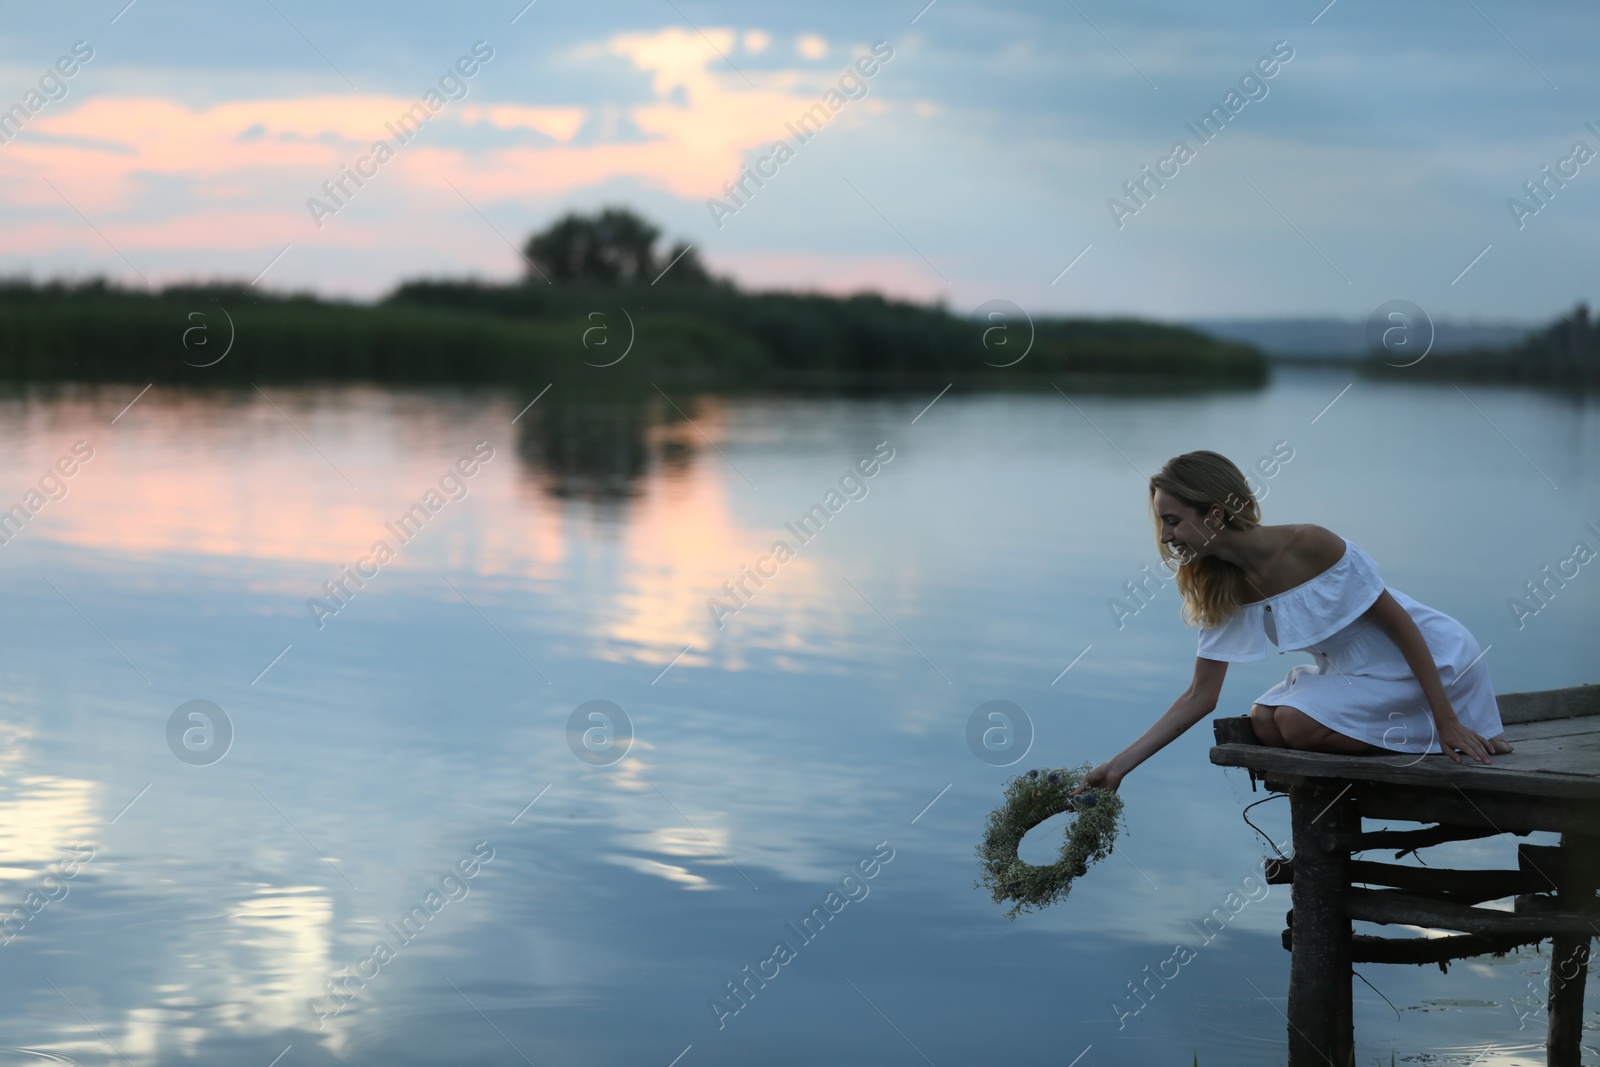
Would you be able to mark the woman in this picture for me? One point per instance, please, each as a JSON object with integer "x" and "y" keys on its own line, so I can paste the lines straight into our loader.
{"x": 1391, "y": 674}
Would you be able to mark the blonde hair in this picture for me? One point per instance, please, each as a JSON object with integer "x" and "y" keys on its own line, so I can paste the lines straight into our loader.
{"x": 1212, "y": 589}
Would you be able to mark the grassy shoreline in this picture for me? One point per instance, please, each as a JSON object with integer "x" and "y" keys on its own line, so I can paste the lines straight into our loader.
{"x": 1564, "y": 354}
{"x": 467, "y": 333}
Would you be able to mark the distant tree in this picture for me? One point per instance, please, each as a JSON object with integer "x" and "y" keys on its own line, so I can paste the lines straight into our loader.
{"x": 1572, "y": 338}
{"x": 686, "y": 267}
{"x": 615, "y": 247}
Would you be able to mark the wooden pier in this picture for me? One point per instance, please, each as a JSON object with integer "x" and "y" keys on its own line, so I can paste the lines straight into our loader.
{"x": 1551, "y": 783}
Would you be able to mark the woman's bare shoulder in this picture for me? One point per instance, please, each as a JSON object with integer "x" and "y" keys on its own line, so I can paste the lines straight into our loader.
{"x": 1317, "y": 547}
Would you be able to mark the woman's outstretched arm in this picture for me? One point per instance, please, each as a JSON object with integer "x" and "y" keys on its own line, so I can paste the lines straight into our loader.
{"x": 1196, "y": 702}
{"x": 1402, "y": 629}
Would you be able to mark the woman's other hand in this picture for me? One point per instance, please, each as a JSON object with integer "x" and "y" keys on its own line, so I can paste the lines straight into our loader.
{"x": 1453, "y": 736}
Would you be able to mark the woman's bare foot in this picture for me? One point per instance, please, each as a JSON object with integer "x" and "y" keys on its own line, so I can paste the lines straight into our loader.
{"x": 1500, "y": 746}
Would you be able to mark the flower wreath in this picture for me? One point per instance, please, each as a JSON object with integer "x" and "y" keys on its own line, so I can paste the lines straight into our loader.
{"x": 1032, "y": 798}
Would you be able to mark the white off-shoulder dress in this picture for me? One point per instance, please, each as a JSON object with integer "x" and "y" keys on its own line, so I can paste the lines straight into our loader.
{"x": 1359, "y": 684}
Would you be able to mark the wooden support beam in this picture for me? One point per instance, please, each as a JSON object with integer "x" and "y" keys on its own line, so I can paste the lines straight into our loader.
{"x": 1366, "y": 948}
{"x": 1440, "y": 950}
{"x": 1560, "y": 865}
{"x": 1321, "y": 1030}
{"x": 1492, "y": 811}
{"x": 1545, "y": 859}
{"x": 1577, "y": 880}
{"x": 1569, "y": 969}
{"x": 1462, "y": 887}
{"x": 1404, "y": 840}
{"x": 1563, "y": 903}
{"x": 1393, "y": 906}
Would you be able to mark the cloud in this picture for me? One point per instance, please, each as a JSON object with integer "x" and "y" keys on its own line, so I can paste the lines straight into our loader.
{"x": 994, "y": 146}
{"x": 249, "y": 166}
{"x": 810, "y": 46}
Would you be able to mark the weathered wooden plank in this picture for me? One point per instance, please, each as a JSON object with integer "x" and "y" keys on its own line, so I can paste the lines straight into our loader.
{"x": 1406, "y": 840}
{"x": 1543, "y": 727}
{"x": 1549, "y": 728}
{"x": 1560, "y": 865}
{"x": 1514, "y": 772}
{"x": 1393, "y": 906}
{"x": 1237, "y": 729}
{"x": 1575, "y": 754}
{"x": 1234, "y": 730}
{"x": 1462, "y": 887}
{"x": 1502, "y": 812}
{"x": 1566, "y": 703}
{"x": 1562, "y": 903}
{"x": 1552, "y": 728}
{"x": 1420, "y": 950}
{"x": 1367, "y": 948}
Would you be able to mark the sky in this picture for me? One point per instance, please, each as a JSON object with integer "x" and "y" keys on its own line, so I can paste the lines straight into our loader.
{"x": 957, "y": 153}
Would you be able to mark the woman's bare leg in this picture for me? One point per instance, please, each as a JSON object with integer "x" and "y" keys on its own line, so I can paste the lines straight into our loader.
{"x": 1266, "y": 729}
{"x": 1301, "y": 731}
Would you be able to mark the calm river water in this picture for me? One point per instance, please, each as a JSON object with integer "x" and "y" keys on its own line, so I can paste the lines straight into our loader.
{"x": 410, "y": 763}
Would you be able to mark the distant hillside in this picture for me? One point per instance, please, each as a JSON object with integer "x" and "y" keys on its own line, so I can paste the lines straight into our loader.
{"x": 1347, "y": 339}
{"x": 1564, "y": 353}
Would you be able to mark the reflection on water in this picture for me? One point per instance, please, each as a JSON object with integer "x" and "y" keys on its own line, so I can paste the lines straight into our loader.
{"x": 212, "y": 908}
{"x": 600, "y": 450}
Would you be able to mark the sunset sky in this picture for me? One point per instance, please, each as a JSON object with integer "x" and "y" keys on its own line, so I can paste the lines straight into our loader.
{"x": 977, "y": 161}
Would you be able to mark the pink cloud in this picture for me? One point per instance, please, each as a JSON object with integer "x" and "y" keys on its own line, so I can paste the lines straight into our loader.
{"x": 157, "y": 174}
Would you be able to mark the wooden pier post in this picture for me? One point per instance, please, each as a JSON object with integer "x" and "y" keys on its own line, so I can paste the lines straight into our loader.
{"x": 1575, "y": 880}
{"x": 1321, "y": 1030}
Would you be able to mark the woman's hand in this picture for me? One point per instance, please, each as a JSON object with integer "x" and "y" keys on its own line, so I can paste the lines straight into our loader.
{"x": 1452, "y": 736}
{"x": 1102, "y": 777}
